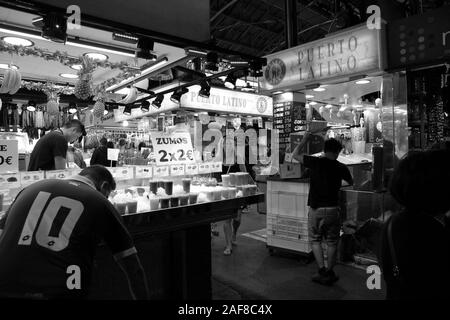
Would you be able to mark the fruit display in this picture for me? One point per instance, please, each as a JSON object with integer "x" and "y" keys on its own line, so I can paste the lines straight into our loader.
{"x": 99, "y": 108}
{"x": 12, "y": 81}
{"x": 83, "y": 88}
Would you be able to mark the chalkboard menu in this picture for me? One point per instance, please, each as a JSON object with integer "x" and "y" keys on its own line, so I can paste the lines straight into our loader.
{"x": 289, "y": 117}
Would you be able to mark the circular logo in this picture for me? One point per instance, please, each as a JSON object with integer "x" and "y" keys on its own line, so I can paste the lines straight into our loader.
{"x": 275, "y": 71}
{"x": 261, "y": 104}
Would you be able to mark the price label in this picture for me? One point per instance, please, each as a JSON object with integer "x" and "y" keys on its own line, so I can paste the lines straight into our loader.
{"x": 162, "y": 171}
{"x": 216, "y": 167}
{"x": 122, "y": 173}
{"x": 75, "y": 171}
{"x": 29, "y": 177}
{"x": 143, "y": 172}
{"x": 10, "y": 180}
{"x": 57, "y": 174}
{"x": 177, "y": 170}
{"x": 175, "y": 148}
{"x": 191, "y": 169}
{"x": 204, "y": 168}
{"x": 9, "y": 156}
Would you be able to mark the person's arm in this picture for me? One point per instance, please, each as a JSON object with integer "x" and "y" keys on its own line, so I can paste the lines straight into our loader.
{"x": 60, "y": 163}
{"x": 137, "y": 281}
{"x": 3, "y": 222}
{"x": 94, "y": 157}
{"x": 296, "y": 153}
{"x": 346, "y": 175}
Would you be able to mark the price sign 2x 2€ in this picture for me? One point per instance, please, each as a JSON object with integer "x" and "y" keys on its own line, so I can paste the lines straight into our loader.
{"x": 175, "y": 148}
{"x": 9, "y": 156}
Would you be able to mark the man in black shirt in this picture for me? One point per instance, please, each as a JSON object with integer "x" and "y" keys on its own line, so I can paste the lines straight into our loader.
{"x": 52, "y": 229}
{"x": 100, "y": 155}
{"x": 326, "y": 175}
{"x": 50, "y": 151}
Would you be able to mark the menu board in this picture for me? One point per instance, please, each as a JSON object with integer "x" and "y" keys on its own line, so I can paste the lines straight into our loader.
{"x": 289, "y": 117}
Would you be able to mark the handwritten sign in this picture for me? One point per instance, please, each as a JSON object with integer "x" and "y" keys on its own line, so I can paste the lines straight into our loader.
{"x": 216, "y": 167}
{"x": 57, "y": 174}
{"x": 122, "y": 173}
{"x": 177, "y": 170}
{"x": 191, "y": 169}
{"x": 162, "y": 171}
{"x": 204, "y": 168}
{"x": 9, "y": 156}
{"x": 10, "y": 180}
{"x": 175, "y": 148}
{"x": 29, "y": 177}
{"x": 144, "y": 172}
{"x": 113, "y": 154}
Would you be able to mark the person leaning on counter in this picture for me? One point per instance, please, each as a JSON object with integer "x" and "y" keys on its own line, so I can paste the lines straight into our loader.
{"x": 50, "y": 151}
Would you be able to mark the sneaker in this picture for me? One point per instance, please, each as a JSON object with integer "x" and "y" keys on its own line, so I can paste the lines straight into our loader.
{"x": 331, "y": 277}
{"x": 320, "y": 276}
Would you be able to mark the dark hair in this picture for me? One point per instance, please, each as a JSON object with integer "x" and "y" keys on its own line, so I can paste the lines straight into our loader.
{"x": 332, "y": 145}
{"x": 419, "y": 181}
{"x": 141, "y": 145}
{"x": 103, "y": 141}
{"x": 76, "y": 123}
{"x": 99, "y": 174}
{"x": 110, "y": 144}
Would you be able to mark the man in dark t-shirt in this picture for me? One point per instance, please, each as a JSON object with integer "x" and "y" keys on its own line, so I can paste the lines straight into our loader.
{"x": 50, "y": 151}
{"x": 100, "y": 155}
{"x": 326, "y": 175}
{"x": 49, "y": 235}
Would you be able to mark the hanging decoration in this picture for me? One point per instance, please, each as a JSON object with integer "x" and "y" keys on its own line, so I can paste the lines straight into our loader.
{"x": 99, "y": 106}
{"x": 61, "y": 57}
{"x": 47, "y": 87}
{"x": 83, "y": 88}
{"x": 53, "y": 103}
{"x": 11, "y": 81}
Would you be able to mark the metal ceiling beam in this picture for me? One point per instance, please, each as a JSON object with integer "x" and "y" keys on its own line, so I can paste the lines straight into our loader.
{"x": 225, "y": 7}
{"x": 242, "y": 45}
{"x": 255, "y": 24}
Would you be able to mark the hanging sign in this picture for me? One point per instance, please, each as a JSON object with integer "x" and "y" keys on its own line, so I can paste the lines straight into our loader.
{"x": 175, "y": 148}
{"x": 9, "y": 156}
{"x": 354, "y": 51}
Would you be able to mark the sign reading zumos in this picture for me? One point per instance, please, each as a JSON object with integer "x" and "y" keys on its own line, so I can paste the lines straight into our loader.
{"x": 352, "y": 52}
{"x": 9, "y": 156}
{"x": 175, "y": 148}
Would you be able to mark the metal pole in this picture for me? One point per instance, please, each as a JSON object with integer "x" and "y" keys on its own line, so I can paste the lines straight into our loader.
{"x": 291, "y": 22}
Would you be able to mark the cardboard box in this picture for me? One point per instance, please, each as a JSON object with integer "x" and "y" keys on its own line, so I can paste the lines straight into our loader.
{"x": 290, "y": 171}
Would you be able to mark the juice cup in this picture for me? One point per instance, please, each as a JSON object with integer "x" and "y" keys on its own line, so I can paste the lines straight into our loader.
{"x": 174, "y": 202}
{"x": 165, "y": 202}
{"x": 154, "y": 203}
{"x": 186, "y": 185}
{"x": 226, "y": 180}
{"x": 193, "y": 198}
{"x": 184, "y": 200}
{"x": 168, "y": 186}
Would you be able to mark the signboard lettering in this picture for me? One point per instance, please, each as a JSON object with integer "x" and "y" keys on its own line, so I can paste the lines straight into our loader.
{"x": 9, "y": 156}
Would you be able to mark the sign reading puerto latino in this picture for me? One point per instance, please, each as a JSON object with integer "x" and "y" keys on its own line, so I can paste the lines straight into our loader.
{"x": 175, "y": 148}
{"x": 354, "y": 51}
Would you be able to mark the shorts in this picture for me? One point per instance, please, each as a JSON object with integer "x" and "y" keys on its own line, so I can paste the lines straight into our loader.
{"x": 324, "y": 223}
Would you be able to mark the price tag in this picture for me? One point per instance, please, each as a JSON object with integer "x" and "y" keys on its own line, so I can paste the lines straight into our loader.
{"x": 191, "y": 169}
{"x": 177, "y": 170}
{"x": 9, "y": 156}
{"x": 29, "y": 177}
{"x": 10, "y": 180}
{"x": 216, "y": 167}
{"x": 143, "y": 172}
{"x": 122, "y": 173}
{"x": 57, "y": 174}
{"x": 175, "y": 148}
{"x": 75, "y": 171}
{"x": 204, "y": 168}
{"x": 162, "y": 171}
{"x": 113, "y": 154}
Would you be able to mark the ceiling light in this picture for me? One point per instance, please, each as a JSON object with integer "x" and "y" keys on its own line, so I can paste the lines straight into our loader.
{"x": 155, "y": 66}
{"x": 69, "y": 75}
{"x": 125, "y": 123}
{"x": 76, "y": 66}
{"x": 205, "y": 89}
{"x": 157, "y": 102}
{"x": 145, "y": 48}
{"x": 7, "y": 66}
{"x": 363, "y": 81}
{"x": 54, "y": 27}
{"x": 127, "y": 110}
{"x": 312, "y": 103}
{"x": 72, "y": 108}
{"x": 16, "y": 41}
{"x": 277, "y": 92}
{"x": 230, "y": 81}
{"x": 128, "y": 38}
{"x": 145, "y": 106}
{"x": 176, "y": 96}
{"x": 96, "y": 56}
{"x": 320, "y": 89}
{"x": 309, "y": 96}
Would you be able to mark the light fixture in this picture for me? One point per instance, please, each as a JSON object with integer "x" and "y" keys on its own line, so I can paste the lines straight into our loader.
{"x": 145, "y": 106}
{"x": 196, "y": 52}
{"x": 68, "y": 75}
{"x": 127, "y": 110}
{"x": 7, "y": 66}
{"x": 76, "y": 66}
{"x": 277, "y": 92}
{"x": 54, "y": 27}
{"x": 145, "y": 48}
{"x": 155, "y": 66}
{"x": 105, "y": 112}
{"x": 72, "y": 108}
{"x": 212, "y": 59}
{"x": 363, "y": 81}
{"x": 124, "y": 37}
{"x": 157, "y": 102}
{"x": 96, "y": 56}
{"x": 309, "y": 96}
{"x": 176, "y": 96}
{"x": 248, "y": 88}
{"x": 205, "y": 89}
{"x": 312, "y": 103}
{"x": 16, "y": 41}
{"x": 125, "y": 123}
{"x": 328, "y": 106}
{"x": 31, "y": 106}
{"x": 230, "y": 81}
{"x": 320, "y": 89}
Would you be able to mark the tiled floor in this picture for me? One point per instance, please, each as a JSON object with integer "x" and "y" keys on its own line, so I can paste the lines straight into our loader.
{"x": 250, "y": 273}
